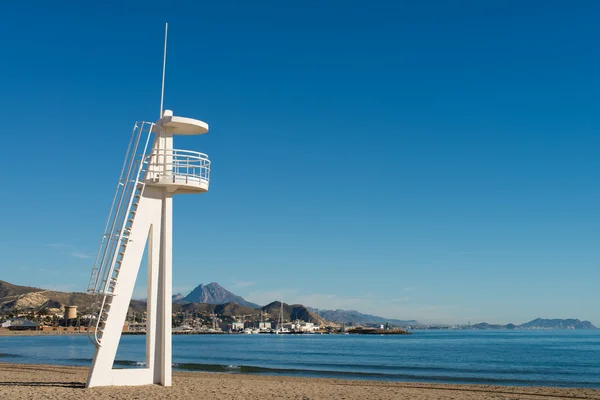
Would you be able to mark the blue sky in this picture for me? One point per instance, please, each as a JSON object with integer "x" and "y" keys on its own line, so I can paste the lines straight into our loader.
{"x": 435, "y": 161}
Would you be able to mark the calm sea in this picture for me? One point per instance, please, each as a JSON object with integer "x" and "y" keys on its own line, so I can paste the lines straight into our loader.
{"x": 548, "y": 358}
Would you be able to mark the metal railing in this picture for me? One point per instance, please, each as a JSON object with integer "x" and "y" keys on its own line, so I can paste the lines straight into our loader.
{"x": 114, "y": 241}
{"x": 179, "y": 166}
{"x": 114, "y": 232}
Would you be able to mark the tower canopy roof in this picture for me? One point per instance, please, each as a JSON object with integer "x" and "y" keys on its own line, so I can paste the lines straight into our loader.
{"x": 182, "y": 125}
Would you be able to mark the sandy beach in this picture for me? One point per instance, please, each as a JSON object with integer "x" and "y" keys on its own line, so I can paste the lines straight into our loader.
{"x": 28, "y": 381}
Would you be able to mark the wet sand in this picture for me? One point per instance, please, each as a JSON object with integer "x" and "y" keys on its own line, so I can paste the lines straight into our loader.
{"x": 28, "y": 381}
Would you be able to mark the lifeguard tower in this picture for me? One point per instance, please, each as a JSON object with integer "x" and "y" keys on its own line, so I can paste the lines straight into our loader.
{"x": 141, "y": 217}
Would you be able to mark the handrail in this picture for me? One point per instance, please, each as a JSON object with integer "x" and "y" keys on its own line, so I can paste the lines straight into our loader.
{"x": 114, "y": 237}
{"x": 179, "y": 165}
{"x": 196, "y": 153}
{"x": 93, "y": 283}
{"x": 138, "y": 178}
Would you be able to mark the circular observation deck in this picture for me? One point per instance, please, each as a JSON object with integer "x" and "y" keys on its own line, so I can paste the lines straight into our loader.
{"x": 181, "y": 171}
{"x": 181, "y": 125}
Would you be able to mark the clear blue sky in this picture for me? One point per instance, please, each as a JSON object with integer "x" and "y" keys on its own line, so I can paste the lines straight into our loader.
{"x": 436, "y": 161}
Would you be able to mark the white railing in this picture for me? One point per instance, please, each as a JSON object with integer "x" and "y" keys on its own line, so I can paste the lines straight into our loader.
{"x": 132, "y": 173}
{"x": 108, "y": 262}
{"x": 178, "y": 166}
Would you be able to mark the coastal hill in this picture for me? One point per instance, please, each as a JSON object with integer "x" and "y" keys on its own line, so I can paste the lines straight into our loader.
{"x": 293, "y": 312}
{"x": 14, "y": 297}
{"x": 540, "y": 323}
{"x": 213, "y": 298}
{"x": 213, "y": 293}
{"x": 178, "y": 297}
{"x": 203, "y": 299}
{"x": 227, "y": 309}
{"x": 8, "y": 289}
{"x": 353, "y": 317}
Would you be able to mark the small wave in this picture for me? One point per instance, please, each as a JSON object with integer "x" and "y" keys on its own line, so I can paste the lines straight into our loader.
{"x": 533, "y": 370}
{"x": 248, "y": 369}
{"x": 207, "y": 367}
{"x": 130, "y": 363}
{"x": 123, "y": 363}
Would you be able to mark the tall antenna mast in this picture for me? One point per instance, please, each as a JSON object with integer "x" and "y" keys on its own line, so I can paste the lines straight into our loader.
{"x": 162, "y": 91}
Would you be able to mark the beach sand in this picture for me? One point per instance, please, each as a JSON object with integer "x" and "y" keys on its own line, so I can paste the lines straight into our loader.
{"x": 27, "y": 381}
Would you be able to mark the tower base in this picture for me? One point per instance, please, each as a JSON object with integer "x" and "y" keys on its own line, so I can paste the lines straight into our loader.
{"x": 152, "y": 226}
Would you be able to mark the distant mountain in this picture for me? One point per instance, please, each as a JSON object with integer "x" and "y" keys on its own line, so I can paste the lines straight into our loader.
{"x": 14, "y": 298}
{"x": 292, "y": 312}
{"x": 214, "y": 293}
{"x": 177, "y": 297}
{"x": 209, "y": 298}
{"x": 8, "y": 289}
{"x": 356, "y": 318}
{"x": 214, "y": 298}
{"x": 485, "y": 325}
{"x": 227, "y": 309}
{"x": 540, "y": 323}
{"x": 46, "y": 301}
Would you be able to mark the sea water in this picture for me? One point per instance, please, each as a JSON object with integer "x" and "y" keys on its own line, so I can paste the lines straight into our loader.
{"x": 545, "y": 358}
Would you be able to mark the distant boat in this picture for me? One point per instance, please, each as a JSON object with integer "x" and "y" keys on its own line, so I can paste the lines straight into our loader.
{"x": 280, "y": 329}
{"x": 185, "y": 328}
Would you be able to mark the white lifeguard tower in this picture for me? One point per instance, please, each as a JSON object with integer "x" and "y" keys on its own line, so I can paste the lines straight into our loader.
{"x": 142, "y": 214}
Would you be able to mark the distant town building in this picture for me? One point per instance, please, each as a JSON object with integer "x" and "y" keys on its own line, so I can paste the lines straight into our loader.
{"x": 305, "y": 327}
{"x": 264, "y": 325}
{"x": 70, "y": 312}
{"x": 20, "y": 324}
{"x": 235, "y": 326}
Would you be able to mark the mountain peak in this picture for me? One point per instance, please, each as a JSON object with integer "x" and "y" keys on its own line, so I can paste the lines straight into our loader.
{"x": 214, "y": 285}
{"x": 213, "y": 293}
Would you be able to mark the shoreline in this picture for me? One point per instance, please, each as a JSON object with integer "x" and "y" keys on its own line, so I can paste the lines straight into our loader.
{"x": 5, "y": 333}
{"x": 25, "y": 381}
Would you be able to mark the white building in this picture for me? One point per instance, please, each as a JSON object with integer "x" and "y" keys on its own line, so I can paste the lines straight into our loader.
{"x": 306, "y": 327}
{"x": 235, "y": 326}
{"x": 264, "y": 326}
{"x": 19, "y": 324}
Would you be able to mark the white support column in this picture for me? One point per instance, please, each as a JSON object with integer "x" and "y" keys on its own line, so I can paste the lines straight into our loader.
{"x": 166, "y": 286}
{"x": 153, "y": 305}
